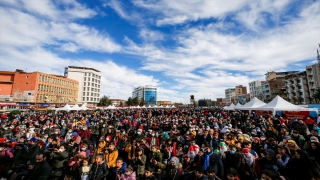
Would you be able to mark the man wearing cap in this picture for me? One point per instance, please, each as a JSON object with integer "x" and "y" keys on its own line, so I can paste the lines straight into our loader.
{"x": 32, "y": 151}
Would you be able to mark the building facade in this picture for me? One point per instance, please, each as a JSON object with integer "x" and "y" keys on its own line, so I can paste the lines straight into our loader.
{"x": 163, "y": 103}
{"x": 117, "y": 102}
{"x": 229, "y": 93}
{"x": 239, "y": 90}
{"x": 89, "y": 83}
{"x": 297, "y": 91}
{"x": 204, "y": 102}
{"x": 37, "y": 87}
{"x": 255, "y": 88}
{"x": 148, "y": 93}
{"x": 313, "y": 78}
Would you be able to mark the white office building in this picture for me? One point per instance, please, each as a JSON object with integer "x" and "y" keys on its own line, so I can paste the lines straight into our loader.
{"x": 254, "y": 88}
{"x": 148, "y": 93}
{"x": 229, "y": 93}
{"x": 89, "y": 83}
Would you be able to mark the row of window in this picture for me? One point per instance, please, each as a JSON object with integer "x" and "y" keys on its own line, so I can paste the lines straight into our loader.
{"x": 92, "y": 84}
{"x": 92, "y": 94}
{"x": 90, "y": 99}
{"x": 92, "y": 89}
{"x": 53, "y": 89}
{"x": 93, "y": 75}
{"x": 92, "y": 80}
{"x": 56, "y": 81}
{"x": 50, "y": 98}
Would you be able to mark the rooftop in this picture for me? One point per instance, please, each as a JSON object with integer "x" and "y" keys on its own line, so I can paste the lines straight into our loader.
{"x": 78, "y": 67}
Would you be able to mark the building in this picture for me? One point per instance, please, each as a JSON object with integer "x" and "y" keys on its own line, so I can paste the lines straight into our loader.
{"x": 230, "y": 92}
{"x": 163, "y": 103}
{"x": 313, "y": 78}
{"x": 221, "y": 101}
{"x": 255, "y": 88}
{"x": 240, "y": 90}
{"x": 37, "y": 88}
{"x": 204, "y": 102}
{"x": 117, "y": 102}
{"x": 297, "y": 91}
{"x": 89, "y": 83}
{"x": 271, "y": 75}
{"x": 148, "y": 93}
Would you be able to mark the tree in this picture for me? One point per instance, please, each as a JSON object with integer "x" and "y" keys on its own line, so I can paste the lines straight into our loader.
{"x": 135, "y": 101}
{"x": 141, "y": 102}
{"x": 121, "y": 103}
{"x": 104, "y": 101}
{"x": 316, "y": 95}
{"x": 129, "y": 102}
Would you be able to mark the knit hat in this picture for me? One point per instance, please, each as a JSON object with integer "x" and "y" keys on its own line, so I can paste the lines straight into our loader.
{"x": 216, "y": 151}
{"x": 74, "y": 134}
{"x": 246, "y": 150}
{"x": 257, "y": 139}
{"x": 222, "y": 144}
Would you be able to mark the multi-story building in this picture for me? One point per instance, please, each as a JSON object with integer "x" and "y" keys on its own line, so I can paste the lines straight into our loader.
{"x": 148, "y": 93}
{"x": 89, "y": 83}
{"x": 272, "y": 74}
{"x": 313, "y": 77}
{"x": 240, "y": 90}
{"x": 265, "y": 89}
{"x": 37, "y": 87}
{"x": 253, "y": 87}
{"x": 297, "y": 88}
{"x": 229, "y": 93}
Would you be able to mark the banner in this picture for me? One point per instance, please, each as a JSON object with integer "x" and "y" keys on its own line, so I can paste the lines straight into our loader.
{"x": 296, "y": 115}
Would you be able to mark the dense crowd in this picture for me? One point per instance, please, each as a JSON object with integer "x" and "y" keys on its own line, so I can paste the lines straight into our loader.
{"x": 159, "y": 144}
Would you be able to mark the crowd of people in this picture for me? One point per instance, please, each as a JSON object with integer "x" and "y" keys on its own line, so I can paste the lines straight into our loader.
{"x": 159, "y": 144}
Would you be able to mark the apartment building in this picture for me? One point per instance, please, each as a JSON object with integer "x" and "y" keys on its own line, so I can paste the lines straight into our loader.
{"x": 89, "y": 83}
{"x": 313, "y": 79}
{"x": 297, "y": 91}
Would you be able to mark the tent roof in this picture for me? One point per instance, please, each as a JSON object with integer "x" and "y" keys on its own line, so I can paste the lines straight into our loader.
{"x": 231, "y": 107}
{"x": 238, "y": 105}
{"x": 280, "y": 104}
{"x": 254, "y": 103}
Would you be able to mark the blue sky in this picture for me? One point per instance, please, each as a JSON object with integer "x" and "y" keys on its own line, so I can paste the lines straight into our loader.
{"x": 198, "y": 47}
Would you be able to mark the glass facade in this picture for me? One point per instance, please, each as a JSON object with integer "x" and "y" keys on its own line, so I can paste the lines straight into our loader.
{"x": 150, "y": 97}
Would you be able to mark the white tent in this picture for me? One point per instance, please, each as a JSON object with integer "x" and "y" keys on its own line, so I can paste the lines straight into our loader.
{"x": 65, "y": 108}
{"x": 173, "y": 106}
{"x": 112, "y": 107}
{"x": 149, "y": 106}
{"x": 143, "y": 106}
{"x": 167, "y": 106}
{"x": 138, "y": 107}
{"x": 83, "y": 107}
{"x": 238, "y": 106}
{"x": 279, "y": 104}
{"x": 230, "y": 108}
{"x": 254, "y": 103}
{"x": 155, "y": 106}
{"x": 75, "y": 108}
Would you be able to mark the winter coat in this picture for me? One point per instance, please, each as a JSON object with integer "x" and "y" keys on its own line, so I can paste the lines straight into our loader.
{"x": 99, "y": 171}
{"x": 31, "y": 153}
{"x": 111, "y": 158}
{"x": 40, "y": 171}
{"x": 59, "y": 159}
{"x": 122, "y": 170}
{"x": 139, "y": 164}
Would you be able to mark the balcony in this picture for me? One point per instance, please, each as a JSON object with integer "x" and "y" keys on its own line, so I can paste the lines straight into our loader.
{"x": 291, "y": 85}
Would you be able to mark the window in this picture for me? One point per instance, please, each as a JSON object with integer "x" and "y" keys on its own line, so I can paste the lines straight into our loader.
{"x": 26, "y": 77}
{"x": 91, "y": 94}
{"x": 83, "y": 99}
{"x": 87, "y": 98}
{"x": 84, "y": 79}
{"x": 84, "y": 89}
{"x": 92, "y": 79}
{"x": 92, "y": 84}
{"x": 89, "y": 74}
{"x": 88, "y": 89}
{"x": 87, "y": 93}
{"x": 91, "y": 99}
{"x": 83, "y": 93}
{"x": 84, "y": 84}
{"x": 85, "y": 74}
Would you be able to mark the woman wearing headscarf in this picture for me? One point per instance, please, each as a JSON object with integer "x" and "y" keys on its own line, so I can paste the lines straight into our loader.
{"x": 292, "y": 147}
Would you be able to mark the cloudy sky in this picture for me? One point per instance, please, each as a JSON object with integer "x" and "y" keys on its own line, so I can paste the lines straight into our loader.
{"x": 198, "y": 47}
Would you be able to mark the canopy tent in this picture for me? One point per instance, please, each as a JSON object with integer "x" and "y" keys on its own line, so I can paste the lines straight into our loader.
{"x": 173, "y": 106}
{"x": 143, "y": 106}
{"x": 83, "y": 107}
{"x": 279, "y": 104}
{"x": 65, "y": 108}
{"x": 155, "y": 106}
{"x": 75, "y": 108}
{"x": 254, "y": 103}
{"x": 238, "y": 106}
{"x": 167, "y": 106}
{"x": 111, "y": 107}
{"x": 231, "y": 107}
{"x": 149, "y": 106}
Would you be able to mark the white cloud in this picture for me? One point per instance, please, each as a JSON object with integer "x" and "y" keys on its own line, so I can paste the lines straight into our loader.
{"x": 25, "y": 30}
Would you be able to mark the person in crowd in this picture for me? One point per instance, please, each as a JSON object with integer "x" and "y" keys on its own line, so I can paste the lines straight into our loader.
{"x": 39, "y": 169}
{"x": 119, "y": 170}
{"x": 232, "y": 174}
{"x": 130, "y": 174}
{"x": 59, "y": 158}
{"x": 197, "y": 174}
{"x": 173, "y": 171}
{"x": 83, "y": 172}
{"x": 214, "y": 160}
{"x": 99, "y": 168}
{"x": 111, "y": 155}
{"x": 139, "y": 163}
{"x": 148, "y": 174}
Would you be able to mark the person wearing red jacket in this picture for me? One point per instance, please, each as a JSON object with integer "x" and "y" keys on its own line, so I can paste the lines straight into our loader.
{"x": 153, "y": 140}
{"x": 84, "y": 133}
